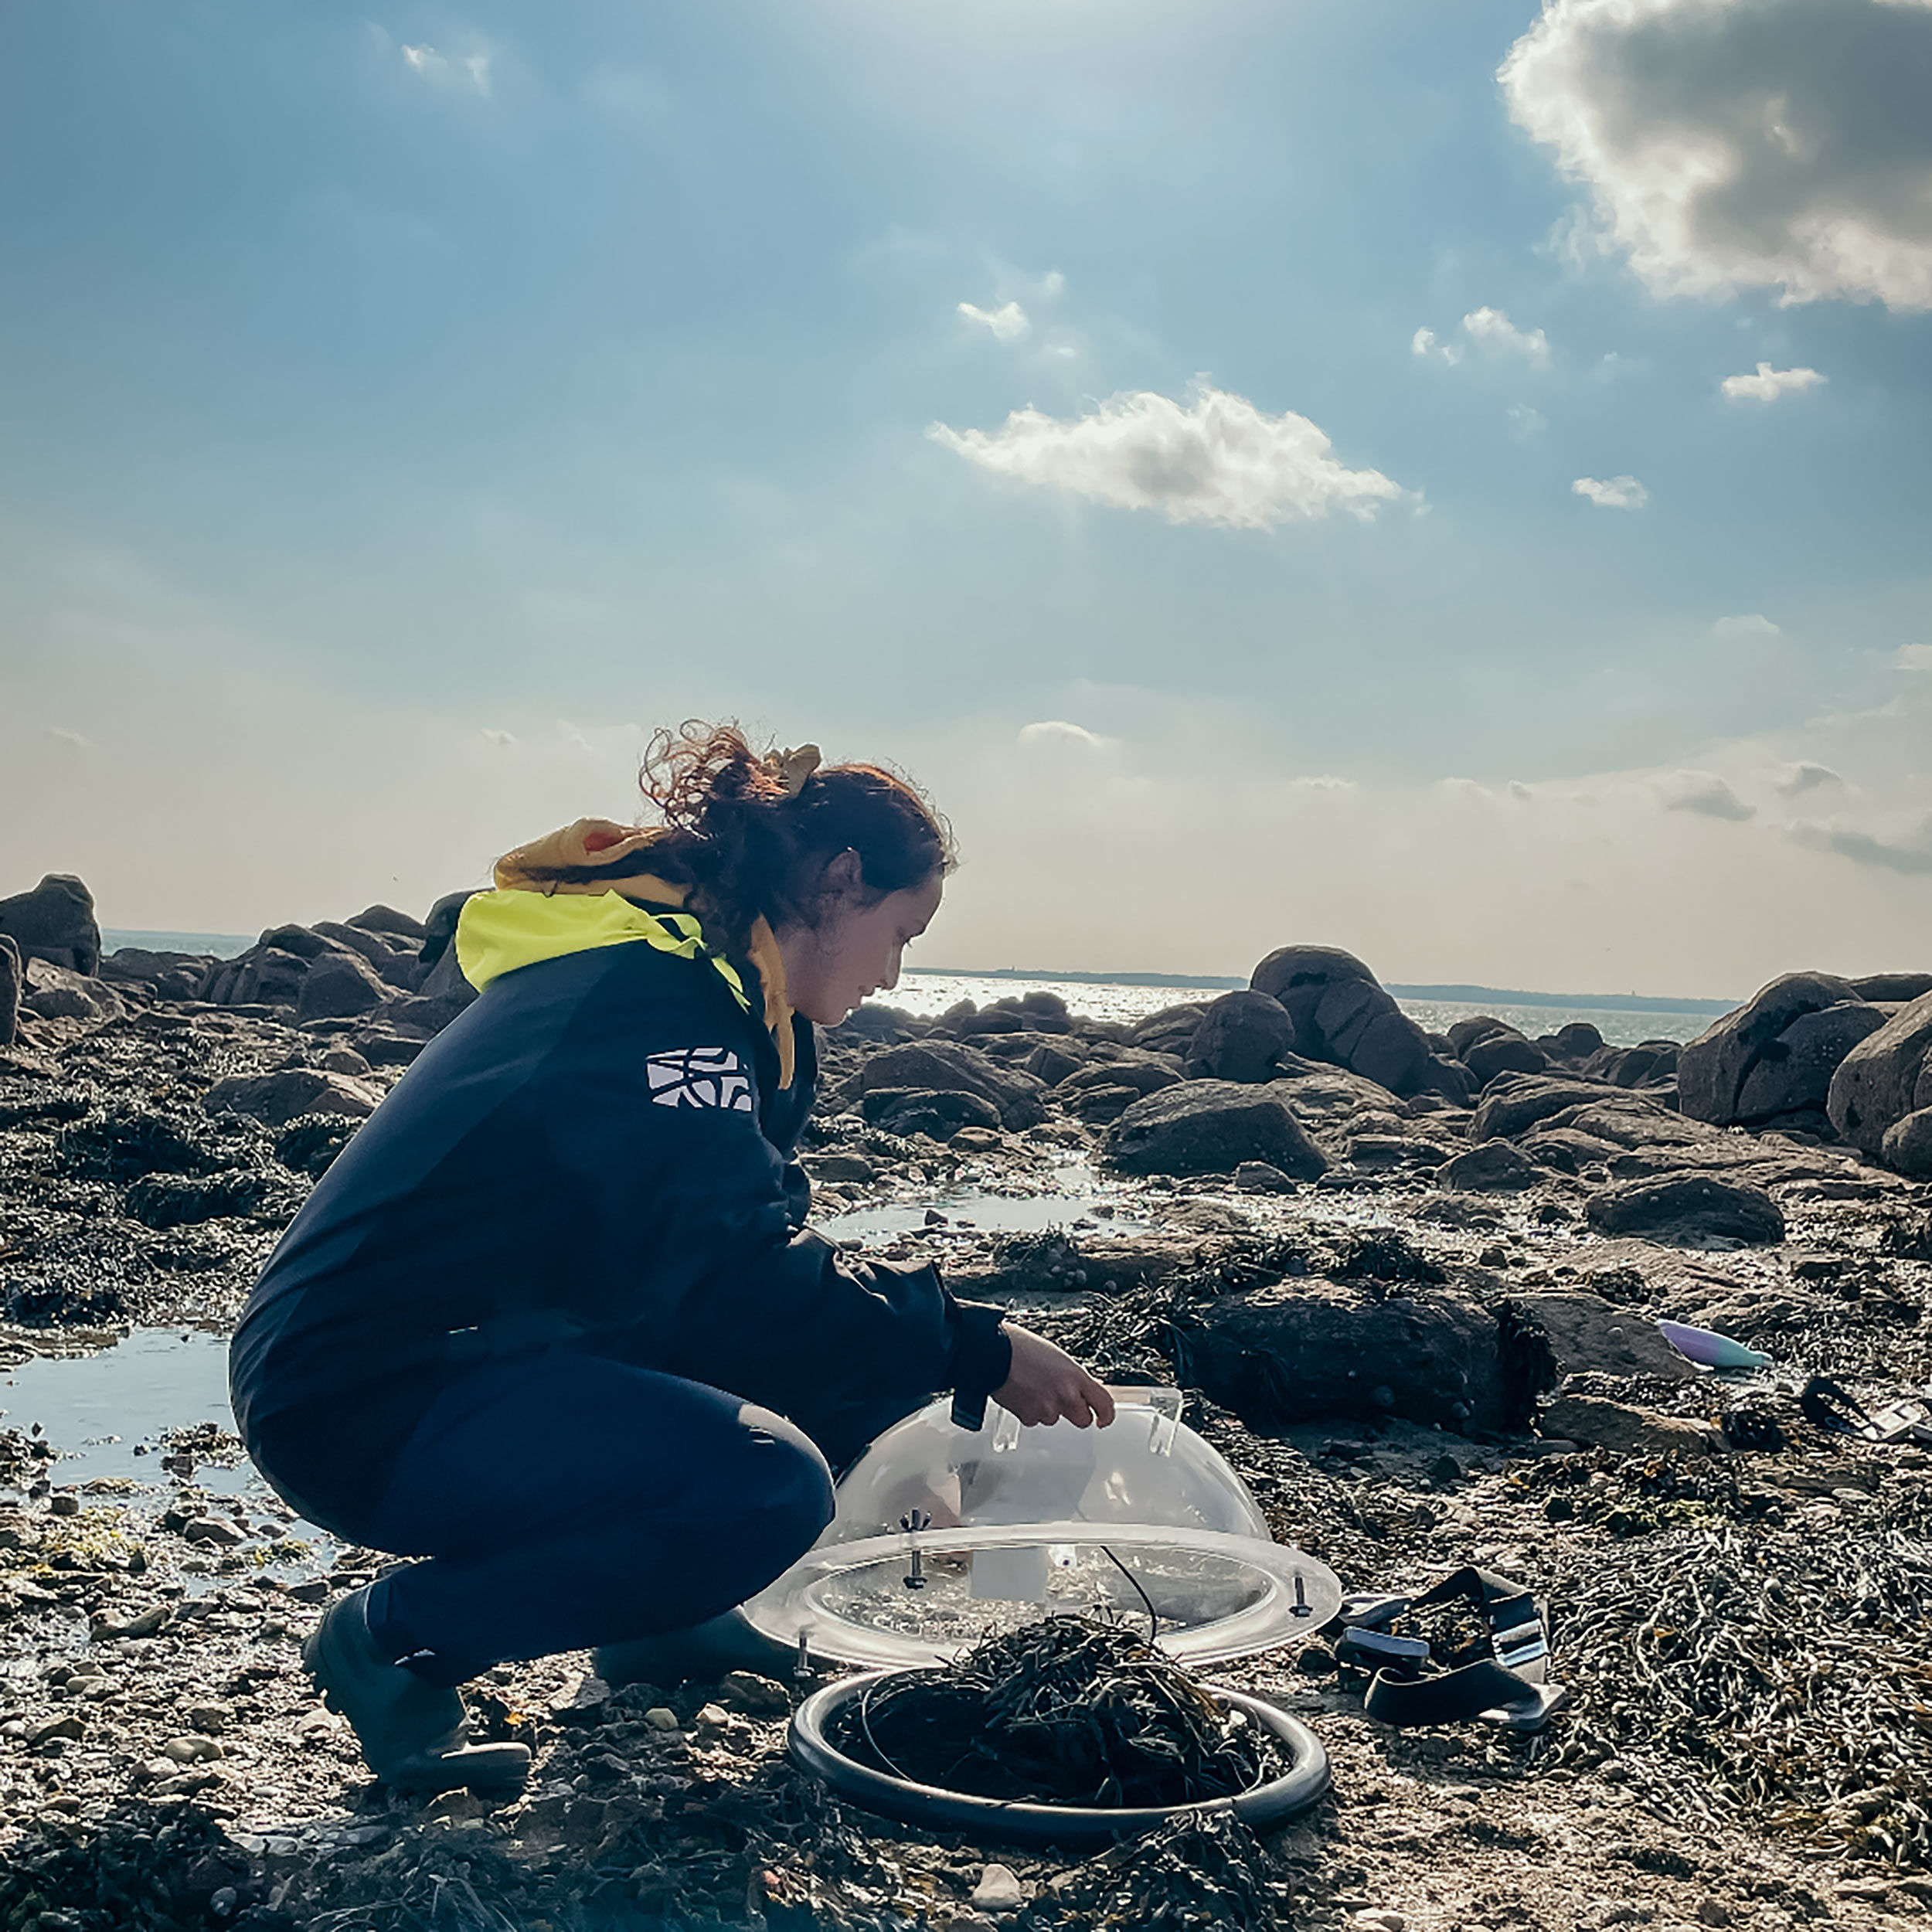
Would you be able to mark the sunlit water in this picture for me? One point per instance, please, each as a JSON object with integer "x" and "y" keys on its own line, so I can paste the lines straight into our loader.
{"x": 928, "y": 994}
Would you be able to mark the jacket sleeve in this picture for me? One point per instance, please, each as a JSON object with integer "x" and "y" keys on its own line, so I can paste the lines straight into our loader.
{"x": 698, "y": 1268}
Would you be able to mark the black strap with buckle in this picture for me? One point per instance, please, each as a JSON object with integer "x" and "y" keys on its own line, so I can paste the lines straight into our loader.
{"x": 1507, "y": 1688}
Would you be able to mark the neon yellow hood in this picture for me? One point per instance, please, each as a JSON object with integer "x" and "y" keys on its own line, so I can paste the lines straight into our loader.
{"x": 527, "y": 919}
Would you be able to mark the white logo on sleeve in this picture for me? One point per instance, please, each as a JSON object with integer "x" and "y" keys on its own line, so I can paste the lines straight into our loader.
{"x": 699, "y": 1076}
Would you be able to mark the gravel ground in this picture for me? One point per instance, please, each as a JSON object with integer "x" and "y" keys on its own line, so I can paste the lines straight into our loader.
{"x": 1749, "y": 1741}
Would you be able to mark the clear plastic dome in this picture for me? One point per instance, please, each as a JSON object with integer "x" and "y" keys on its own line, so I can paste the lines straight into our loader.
{"x": 943, "y": 1537}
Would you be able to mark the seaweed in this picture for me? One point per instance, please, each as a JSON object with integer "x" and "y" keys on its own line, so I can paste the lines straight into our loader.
{"x": 1068, "y": 1711}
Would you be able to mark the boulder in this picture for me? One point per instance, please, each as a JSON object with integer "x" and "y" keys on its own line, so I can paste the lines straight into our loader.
{"x": 1892, "y": 989}
{"x": 55, "y": 992}
{"x": 387, "y": 919}
{"x": 1601, "y": 1424}
{"x": 394, "y": 960}
{"x": 1777, "y": 1053}
{"x": 1686, "y": 1208}
{"x": 1242, "y": 1036}
{"x": 10, "y": 986}
{"x": 55, "y": 921}
{"x": 1567, "y": 1149}
{"x": 440, "y": 928}
{"x": 339, "y": 986}
{"x": 1503, "y": 1050}
{"x": 940, "y": 1113}
{"x": 1519, "y": 1102}
{"x": 950, "y": 1066}
{"x": 1577, "y": 1041}
{"x": 263, "y": 976}
{"x": 1642, "y": 1065}
{"x": 1493, "y": 1167}
{"x": 1465, "y": 1032}
{"x": 167, "y": 975}
{"x": 1172, "y": 1030}
{"x": 1211, "y": 1127}
{"x": 1907, "y": 1146}
{"x": 1588, "y": 1334}
{"x": 1308, "y": 1350}
{"x": 1886, "y": 1076}
{"x": 1052, "y": 1062}
{"x": 1342, "y": 1015}
{"x": 278, "y": 1098}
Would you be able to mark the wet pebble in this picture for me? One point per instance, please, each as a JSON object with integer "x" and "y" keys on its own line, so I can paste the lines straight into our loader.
{"x": 999, "y": 1890}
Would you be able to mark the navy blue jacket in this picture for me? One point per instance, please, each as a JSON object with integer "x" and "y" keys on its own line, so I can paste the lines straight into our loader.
{"x": 597, "y": 1153}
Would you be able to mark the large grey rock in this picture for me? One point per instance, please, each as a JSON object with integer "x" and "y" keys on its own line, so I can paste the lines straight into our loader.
{"x": 1892, "y": 989}
{"x": 55, "y": 921}
{"x": 1687, "y": 1207}
{"x": 393, "y": 957}
{"x": 339, "y": 986}
{"x": 1493, "y": 1167}
{"x": 1589, "y": 1335}
{"x": 1878, "y": 1082}
{"x": 1172, "y": 1029}
{"x": 440, "y": 928}
{"x": 56, "y": 992}
{"x": 10, "y": 982}
{"x": 1242, "y": 1036}
{"x": 1308, "y": 1350}
{"x": 940, "y": 1113}
{"x": 1342, "y": 1015}
{"x": 1907, "y": 1145}
{"x": 280, "y": 1097}
{"x": 1777, "y": 1053}
{"x": 1601, "y": 1423}
{"x": 1504, "y": 1050}
{"x": 167, "y": 975}
{"x": 1518, "y": 1103}
{"x": 1643, "y": 1065}
{"x": 1211, "y": 1127}
{"x": 387, "y": 919}
{"x": 950, "y": 1066}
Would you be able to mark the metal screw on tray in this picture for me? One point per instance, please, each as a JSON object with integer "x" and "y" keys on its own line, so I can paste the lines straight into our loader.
{"x": 912, "y": 1523}
{"x": 1302, "y": 1606}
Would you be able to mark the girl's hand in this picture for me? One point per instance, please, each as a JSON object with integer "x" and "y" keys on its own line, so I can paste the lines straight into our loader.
{"x": 1046, "y": 1384}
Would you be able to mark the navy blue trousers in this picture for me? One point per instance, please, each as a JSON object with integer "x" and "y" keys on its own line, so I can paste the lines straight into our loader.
{"x": 565, "y": 1500}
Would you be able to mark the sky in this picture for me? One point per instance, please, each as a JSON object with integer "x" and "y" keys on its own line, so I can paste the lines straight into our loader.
{"x": 1450, "y": 482}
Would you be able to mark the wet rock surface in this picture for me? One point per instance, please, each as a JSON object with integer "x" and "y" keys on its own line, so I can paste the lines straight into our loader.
{"x": 1743, "y": 1627}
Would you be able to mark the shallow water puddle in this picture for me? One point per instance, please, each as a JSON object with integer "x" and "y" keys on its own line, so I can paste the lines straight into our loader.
{"x": 1077, "y": 1195}
{"x": 97, "y": 1409}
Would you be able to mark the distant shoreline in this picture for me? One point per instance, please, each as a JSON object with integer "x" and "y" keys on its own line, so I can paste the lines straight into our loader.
{"x": 1463, "y": 995}
{"x": 227, "y": 945}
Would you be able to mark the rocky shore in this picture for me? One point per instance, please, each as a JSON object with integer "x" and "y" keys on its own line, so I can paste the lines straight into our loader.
{"x": 1411, "y": 1281}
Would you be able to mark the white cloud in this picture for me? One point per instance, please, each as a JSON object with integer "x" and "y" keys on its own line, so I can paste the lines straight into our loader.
{"x": 1613, "y": 492}
{"x": 1217, "y": 460}
{"x": 1487, "y": 329}
{"x": 72, "y": 740}
{"x": 1007, "y": 322}
{"x": 1755, "y": 627}
{"x": 1702, "y": 792}
{"x": 1057, "y": 733}
{"x": 465, "y": 70}
{"x": 1492, "y": 327}
{"x": 1794, "y": 780}
{"x": 502, "y": 740}
{"x": 1769, "y": 384}
{"x": 1914, "y": 656}
{"x": 1781, "y": 144}
{"x": 1526, "y": 421}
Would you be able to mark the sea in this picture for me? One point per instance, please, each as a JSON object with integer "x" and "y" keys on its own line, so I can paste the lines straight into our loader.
{"x": 926, "y": 991}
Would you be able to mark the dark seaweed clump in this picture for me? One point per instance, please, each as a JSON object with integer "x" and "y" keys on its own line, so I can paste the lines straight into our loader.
{"x": 1068, "y": 1711}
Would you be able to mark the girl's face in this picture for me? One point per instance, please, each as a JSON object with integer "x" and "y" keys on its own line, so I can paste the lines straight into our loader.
{"x": 855, "y": 949}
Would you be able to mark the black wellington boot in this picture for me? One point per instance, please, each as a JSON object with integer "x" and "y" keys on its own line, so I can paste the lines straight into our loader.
{"x": 411, "y": 1731}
